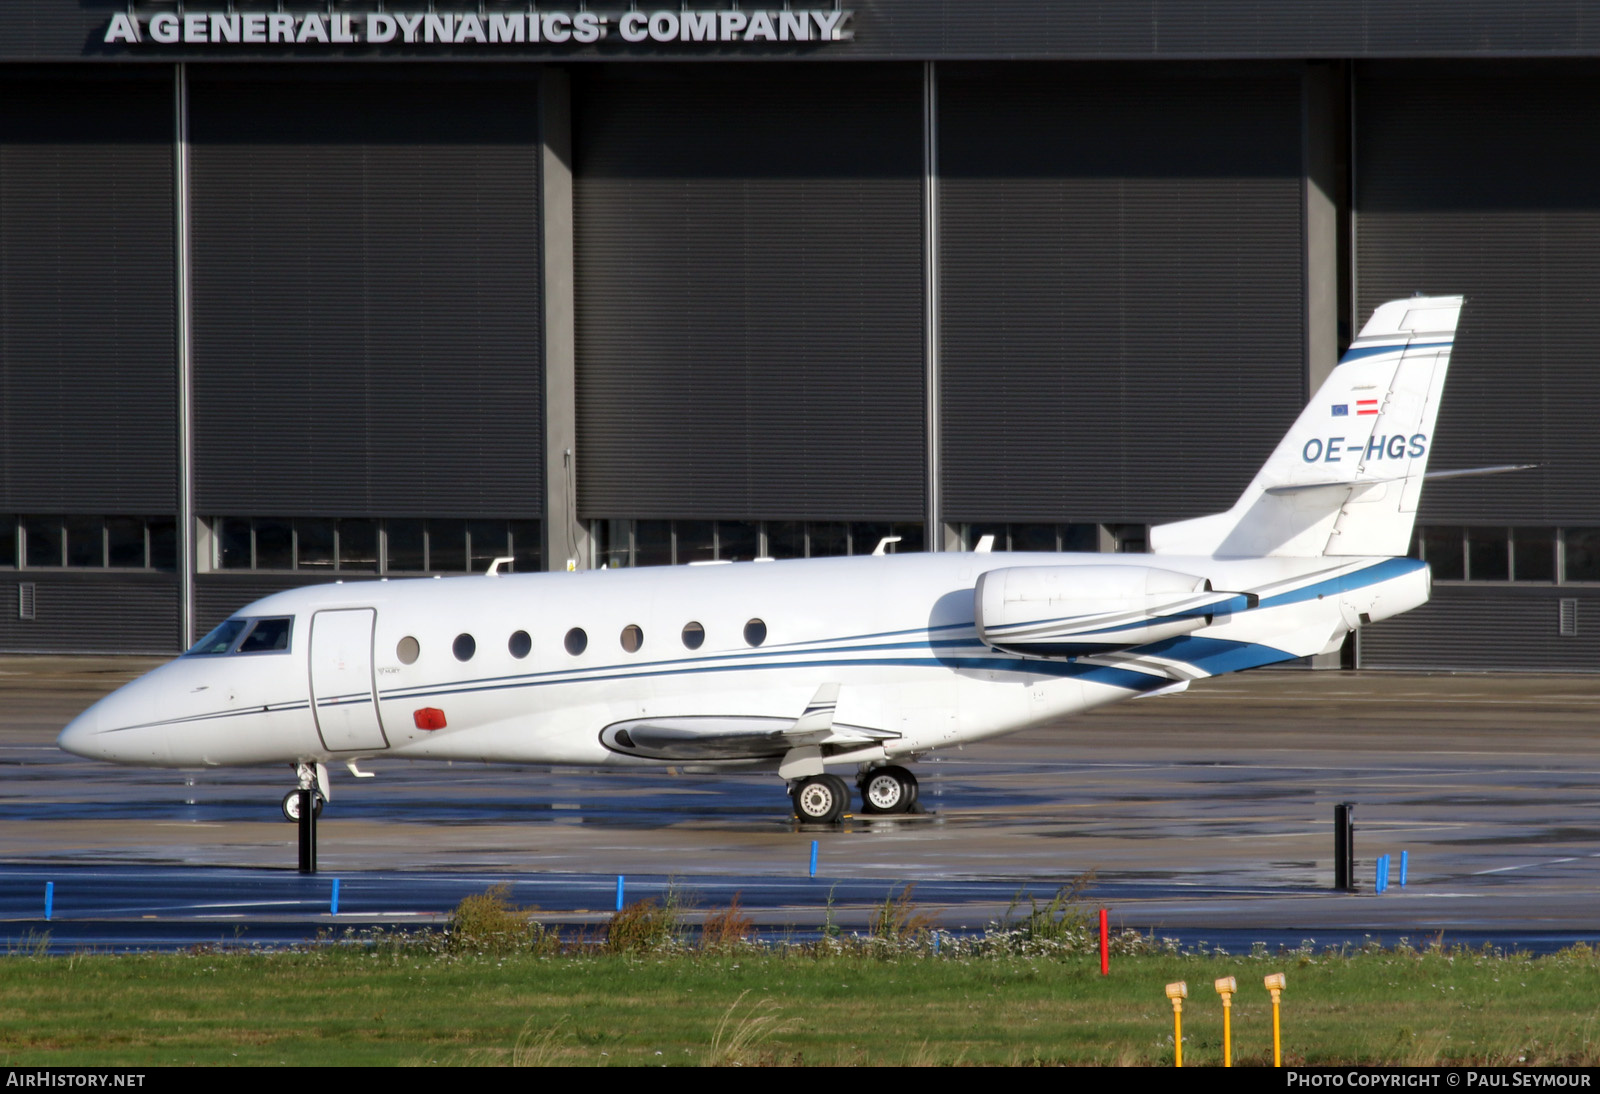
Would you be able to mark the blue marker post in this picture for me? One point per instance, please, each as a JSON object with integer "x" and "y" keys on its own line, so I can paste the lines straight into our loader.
{"x": 333, "y": 904}
{"x": 620, "y": 886}
{"x": 1403, "y": 856}
{"x": 1380, "y": 873}
{"x": 813, "y": 858}
{"x": 49, "y": 899}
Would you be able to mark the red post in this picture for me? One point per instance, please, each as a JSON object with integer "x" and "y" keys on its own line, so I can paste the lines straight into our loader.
{"x": 1105, "y": 946}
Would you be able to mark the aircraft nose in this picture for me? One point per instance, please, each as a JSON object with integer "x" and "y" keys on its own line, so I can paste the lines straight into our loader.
{"x": 78, "y": 737}
{"x": 116, "y": 729}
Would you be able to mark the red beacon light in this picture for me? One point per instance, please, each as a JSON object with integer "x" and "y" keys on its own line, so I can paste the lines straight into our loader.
{"x": 429, "y": 718}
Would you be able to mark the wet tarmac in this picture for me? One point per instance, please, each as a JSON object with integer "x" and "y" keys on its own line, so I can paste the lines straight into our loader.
{"x": 1204, "y": 816}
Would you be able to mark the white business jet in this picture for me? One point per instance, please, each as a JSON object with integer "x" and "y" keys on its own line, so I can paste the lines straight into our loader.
{"x": 859, "y": 664}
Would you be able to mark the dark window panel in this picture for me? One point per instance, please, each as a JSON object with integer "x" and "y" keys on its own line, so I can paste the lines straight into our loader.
{"x": 86, "y": 541}
{"x": 447, "y": 546}
{"x": 43, "y": 537}
{"x": 1080, "y": 537}
{"x": 613, "y": 549}
{"x": 738, "y": 541}
{"x": 487, "y": 543}
{"x": 314, "y": 543}
{"x": 1033, "y": 537}
{"x": 1533, "y": 554}
{"x": 405, "y": 545}
{"x": 1582, "y": 549}
{"x": 1488, "y": 554}
{"x": 358, "y": 545}
{"x": 8, "y": 539}
{"x": 527, "y": 546}
{"x": 125, "y": 545}
{"x": 232, "y": 535}
{"x": 274, "y": 544}
{"x": 1442, "y": 547}
{"x": 828, "y": 537}
{"x": 786, "y": 539}
{"x": 652, "y": 543}
{"x": 695, "y": 540}
{"x": 163, "y": 543}
{"x": 910, "y": 538}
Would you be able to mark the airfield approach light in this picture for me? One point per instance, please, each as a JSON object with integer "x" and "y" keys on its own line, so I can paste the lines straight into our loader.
{"x": 1226, "y": 986}
{"x": 1177, "y": 993}
{"x": 1275, "y": 984}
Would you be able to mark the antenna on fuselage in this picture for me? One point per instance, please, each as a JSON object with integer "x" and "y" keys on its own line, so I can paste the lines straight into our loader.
{"x": 494, "y": 567}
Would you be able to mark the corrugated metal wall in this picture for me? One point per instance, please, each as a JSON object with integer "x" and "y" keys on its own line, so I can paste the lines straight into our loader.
{"x": 366, "y": 294}
{"x": 88, "y": 391}
{"x": 749, "y": 292}
{"x": 76, "y": 612}
{"x": 1123, "y": 321}
{"x": 1474, "y": 627}
{"x": 1478, "y": 178}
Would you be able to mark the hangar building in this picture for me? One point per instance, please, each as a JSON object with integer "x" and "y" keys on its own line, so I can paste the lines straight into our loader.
{"x": 296, "y": 291}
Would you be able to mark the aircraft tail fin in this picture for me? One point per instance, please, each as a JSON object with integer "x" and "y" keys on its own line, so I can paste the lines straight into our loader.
{"x": 1346, "y": 479}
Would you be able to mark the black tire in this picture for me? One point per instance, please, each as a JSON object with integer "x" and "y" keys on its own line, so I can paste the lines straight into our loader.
{"x": 820, "y": 799}
{"x": 291, "y": 805}
{"x": 888, "y": 790}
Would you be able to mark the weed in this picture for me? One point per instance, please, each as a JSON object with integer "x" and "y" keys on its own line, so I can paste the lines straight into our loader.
{"x": 734, "y": 1042}
{"x": 489, "y": 923}
{"x": 897, "y": 923}
{"x": 537, "y": 1050}
{"x": 31, "y": 944}
{"x": 647, "y": 926}
{"x": 728, "y": 929}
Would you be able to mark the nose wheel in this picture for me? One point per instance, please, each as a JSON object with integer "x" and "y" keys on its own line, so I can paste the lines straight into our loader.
{"x": 821, "y": 799}
{"x": 291, "y": 805}
{"x": 888, "y": 790}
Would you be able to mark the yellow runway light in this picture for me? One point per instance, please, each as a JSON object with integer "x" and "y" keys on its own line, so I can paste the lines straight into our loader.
{"x": 1275, "y": 984}
{"x": 1177, "y": 993}
{"x": 1226, "y": 986}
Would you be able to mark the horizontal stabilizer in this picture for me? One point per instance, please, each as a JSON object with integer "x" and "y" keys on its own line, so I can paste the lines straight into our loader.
{"x": 1473, "y": 472}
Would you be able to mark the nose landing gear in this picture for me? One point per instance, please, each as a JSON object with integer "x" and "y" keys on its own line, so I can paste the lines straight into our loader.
{"x": 303, "y": 805}
{"x": 291, "y": 805}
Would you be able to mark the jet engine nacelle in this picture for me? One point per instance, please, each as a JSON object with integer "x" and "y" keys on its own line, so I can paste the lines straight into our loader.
{"x": 1069, "y": 611}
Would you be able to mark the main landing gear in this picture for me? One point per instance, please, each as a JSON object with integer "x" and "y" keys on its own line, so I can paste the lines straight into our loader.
{"x": 888, "y": 790}
{"x": 825, "y": 799}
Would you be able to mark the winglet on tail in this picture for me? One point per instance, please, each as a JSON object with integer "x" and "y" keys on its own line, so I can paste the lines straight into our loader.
{"x": 1347, "y": 477}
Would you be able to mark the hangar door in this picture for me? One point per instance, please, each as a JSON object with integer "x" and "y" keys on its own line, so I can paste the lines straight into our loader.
{"x": 1472, "y": 177}
{"x": 1121, "y": 286}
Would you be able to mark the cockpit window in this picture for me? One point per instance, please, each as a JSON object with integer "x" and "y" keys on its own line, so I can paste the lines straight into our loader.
{"x": 220, "y": 640}
{"x": 267, "y": 636}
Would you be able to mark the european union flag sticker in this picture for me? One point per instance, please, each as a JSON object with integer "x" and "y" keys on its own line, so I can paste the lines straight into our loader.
{"x": 1341, "y": 410}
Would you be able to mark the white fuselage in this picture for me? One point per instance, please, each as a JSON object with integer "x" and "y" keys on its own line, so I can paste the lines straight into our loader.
{"x": 896, "y": 634}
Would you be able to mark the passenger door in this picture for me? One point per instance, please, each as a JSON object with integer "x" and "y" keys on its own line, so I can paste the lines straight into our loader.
{"x": 342, "y": 687}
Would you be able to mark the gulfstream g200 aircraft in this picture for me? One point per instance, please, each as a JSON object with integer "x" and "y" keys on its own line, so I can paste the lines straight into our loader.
{"x": 859, "y": 664}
